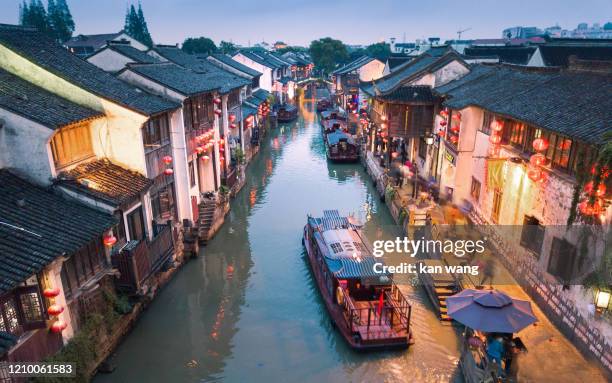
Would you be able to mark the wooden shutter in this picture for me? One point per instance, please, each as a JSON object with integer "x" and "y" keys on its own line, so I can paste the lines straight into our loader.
{"x": 31, "y": 307}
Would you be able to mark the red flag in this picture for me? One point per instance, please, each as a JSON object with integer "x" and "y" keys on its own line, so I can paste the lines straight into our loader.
{"x": 381, "y": 301}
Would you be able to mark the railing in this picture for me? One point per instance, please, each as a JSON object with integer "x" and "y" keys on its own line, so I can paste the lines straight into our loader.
{"x": 139, "y": 259}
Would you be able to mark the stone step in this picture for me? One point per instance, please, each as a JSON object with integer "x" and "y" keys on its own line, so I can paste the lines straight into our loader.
{"x": 442, "y": 291}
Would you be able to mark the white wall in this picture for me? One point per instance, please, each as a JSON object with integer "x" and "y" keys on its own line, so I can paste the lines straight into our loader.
{"x": 372, "y": 70}
{"x": 109, "y": 60}
{"x": 265, "y": 81}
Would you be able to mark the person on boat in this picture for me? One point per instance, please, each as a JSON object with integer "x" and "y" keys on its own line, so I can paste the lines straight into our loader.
{"x": 495, "y": 350}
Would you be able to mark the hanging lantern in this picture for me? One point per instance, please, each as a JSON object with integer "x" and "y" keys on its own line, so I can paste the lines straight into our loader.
{"x": 199, "y": 149}
{"x": 441, "y": 133}
{"x": 494, "y": 151}
{"x": 51, "y": 292}
{"x": 600, "y": 192}
{"x": 54, "y": 310}
{"x": 218, "y": 112}
{"x": 495, "y": 139}
{"x": 109, "y": 240}
{"x": 537, "y": 159}
{"x": 217, "y": 100}
{"x": 233, "y": 126}
{"x": 457, "y": 115}
{"x": 443, "y": 123}
{"x": 232, "y": 117}
{"x": 221, "y": 149}
{"x": 444, "y": 113}
{"x": 455, "y": 129}
{"x": 167, "y": 159}
{"x": 168, "y": 171}
{"x": 58, "y": 326}
{"x": 221, "y": 142}
{"x": 497, "y": 126}
{"x": 540, "y": 144}
{"x": 534, "y": 174}
{"x": 205, "y": 158}
{"x": 454, "y": 139}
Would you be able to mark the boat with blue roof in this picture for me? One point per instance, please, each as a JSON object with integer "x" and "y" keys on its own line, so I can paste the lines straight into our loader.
{"x": 341, "y": 146}
{"x": 364, "y": 304}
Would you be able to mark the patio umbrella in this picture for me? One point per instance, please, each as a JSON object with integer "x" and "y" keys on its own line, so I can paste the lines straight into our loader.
{"x": 490, "y": 311}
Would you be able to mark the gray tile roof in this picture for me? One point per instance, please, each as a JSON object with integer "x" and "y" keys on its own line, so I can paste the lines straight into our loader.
{"x": 132, "y": 53}
{"x": 415, "y": 94}
{"x": 261, "y": 94}
{"x": 227, "y": 60}
{"x": 41, "y": 50}
{"x": 37, "y": 226}
{"x": 505, "y": 53}
{"x": 94, "y": 41}
{"x": 424, "y": 63}
{"x": 107, "y": 182}
{"x": 217, "y": 77}
{"x": 264, "y": 58}
{"x": 177, "y": 78}
{"x": 574, "y": 104}
{"x": 39, "y": 105}
{"x": 353, "y": 65}
{"x": 558, "y": 53}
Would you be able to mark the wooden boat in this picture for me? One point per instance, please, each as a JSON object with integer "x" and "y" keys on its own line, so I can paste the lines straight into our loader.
{"x": 330, "y": 126}
{"x": 323, "y": 104}
{"x": 341, "y": 147}
{"x": 286, "y": 113}
{"x": 333, "y": 114}
{"x": 367, "y": 308}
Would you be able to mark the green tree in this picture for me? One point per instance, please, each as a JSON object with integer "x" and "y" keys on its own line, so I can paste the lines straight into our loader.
{"x": 136, "y": 25}
{"x": 327, "y": 53}
{"x": 199, "y": 45}
{"x": 60, "y": 20}
{"x": 35, "y": 15}
{"x": 381, "y": 51}
{"x": 227, "y": 47}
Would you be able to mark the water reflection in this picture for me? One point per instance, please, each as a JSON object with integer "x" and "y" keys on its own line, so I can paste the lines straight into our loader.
{"x": 247, "y": 310}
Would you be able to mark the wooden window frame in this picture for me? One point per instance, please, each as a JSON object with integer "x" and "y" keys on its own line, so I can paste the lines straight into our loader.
{"x": 64, "y": 145}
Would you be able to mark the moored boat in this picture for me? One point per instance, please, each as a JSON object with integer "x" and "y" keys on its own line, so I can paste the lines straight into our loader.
{"x": 323, "y": 104}
{"x": 286, "y": 113}
{"x": 367, "y": 308}
{"x": 341, "y": 147}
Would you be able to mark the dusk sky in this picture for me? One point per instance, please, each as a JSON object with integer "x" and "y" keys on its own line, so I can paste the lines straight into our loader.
{"x": 297, "y": 22}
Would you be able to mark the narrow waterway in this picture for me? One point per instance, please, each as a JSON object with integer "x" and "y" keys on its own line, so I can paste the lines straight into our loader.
{"x": 247, "y": 309}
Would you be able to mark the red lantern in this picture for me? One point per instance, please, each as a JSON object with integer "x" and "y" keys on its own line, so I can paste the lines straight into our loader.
{"x": 537, "y": 159}
{"x": 51, "y": 292}
{"x": 232, "y": 117}
{"x": 199, "y": 149}
{"x": 454, "y": 139}
{"x": 221, "y": 142}
{"x": 205, "y": 158}
{"x": 601, "y": 189}
{"x": 441, "y": 133}
{"x": 534, "y": 174}
{"x": 444, "y": 113}
{"x": 109, "y": 240}
{"x": 443, "y": 123}
{"x": 457, "y": 115}
{"x": 167, "y": 159}
{"x": 494, "y": 151}
{"x": 217, "y": 101}
{"x": 58, "y": 326}
{"x": 540, "y": 144}
{"x": 497, "y": 126}
{"x": 494, "y": 139}
{"x": 169, "y": 172}
{"x": 233, "y": 126}
{"x": 54, "y": 310}
{"x": 218, "y": 112}
{"x": 455, "y": 129}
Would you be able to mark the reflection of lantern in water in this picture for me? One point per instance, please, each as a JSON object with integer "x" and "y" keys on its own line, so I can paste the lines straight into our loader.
{"x": 253, "y": 197}
{"x": 537, "y": 159}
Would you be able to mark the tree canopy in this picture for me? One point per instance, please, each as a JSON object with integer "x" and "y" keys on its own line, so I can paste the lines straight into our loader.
{"x": 381, "y": 51}
{"x": 327, "y": 53}
{"x": 199, "y": 45}
{"x": 56, "y": 21}
{"x": 136, "y": 25}
{"x": 227, "y": 47}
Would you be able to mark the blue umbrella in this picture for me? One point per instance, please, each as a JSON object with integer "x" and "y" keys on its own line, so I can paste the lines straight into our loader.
{"x": 490, "y": 311}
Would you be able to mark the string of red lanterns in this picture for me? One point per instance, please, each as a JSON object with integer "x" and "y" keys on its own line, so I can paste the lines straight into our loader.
{"x": 538, "y": 159}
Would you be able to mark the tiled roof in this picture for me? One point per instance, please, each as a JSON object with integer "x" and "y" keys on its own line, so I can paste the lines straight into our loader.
{"x": 575, "y": 104}
{"x": 37, "y": 226}
{"x": 395, "y": 61}
{"x": 505, "y": 53}
{"x": 37, "y": 104}
{"x": 424, "y": 63}
{"x": 41, "y": 50}
{"x": 227, "y": 60}
{"x": 217, "y": 77}
{"x": 132, "y": 53}
{"x": 261, "y": 94}
{"x": 557, "y": 54}
{"x": 248, "y": 110}
{"x": 105, "y": 181}
{"x": 264, "y": 58}
{"x": 177, "y": 78}
{"x": 95, "y": 41}
{"x": 353, "y": 65}
{"x": 416, "y": 94}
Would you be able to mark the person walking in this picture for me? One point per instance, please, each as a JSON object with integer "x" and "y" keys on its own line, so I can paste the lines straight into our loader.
{"x": 488, "y": 271}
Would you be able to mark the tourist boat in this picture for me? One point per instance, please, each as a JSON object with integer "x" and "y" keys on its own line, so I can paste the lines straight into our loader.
{"x": 330, "y": 126}
{"x": 333, "y": 114}
{"x": 286, "y": 113}
{"x": 366, "y": 307}
{"x": 323, "y": 105}
{"x": 341, "y": 147}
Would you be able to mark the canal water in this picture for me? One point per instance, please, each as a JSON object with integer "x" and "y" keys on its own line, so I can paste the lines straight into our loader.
{"x": 247, "y": 309}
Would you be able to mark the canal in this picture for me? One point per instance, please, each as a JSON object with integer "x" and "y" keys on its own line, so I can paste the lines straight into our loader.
{"x": 247, "y": 309}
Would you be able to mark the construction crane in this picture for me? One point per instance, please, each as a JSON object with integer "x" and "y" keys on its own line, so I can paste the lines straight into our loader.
{"x": 461, "y": 31}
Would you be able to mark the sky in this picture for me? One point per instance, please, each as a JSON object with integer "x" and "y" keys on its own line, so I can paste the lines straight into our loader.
{"x": 297, "y": 22}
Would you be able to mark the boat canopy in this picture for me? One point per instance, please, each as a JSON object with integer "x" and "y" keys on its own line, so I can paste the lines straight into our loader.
{"x": 335, "y": 137}
{"x": 349, "y": 268}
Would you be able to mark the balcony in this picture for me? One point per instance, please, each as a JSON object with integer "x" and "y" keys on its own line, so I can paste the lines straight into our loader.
{"x": 138, "y": 260}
